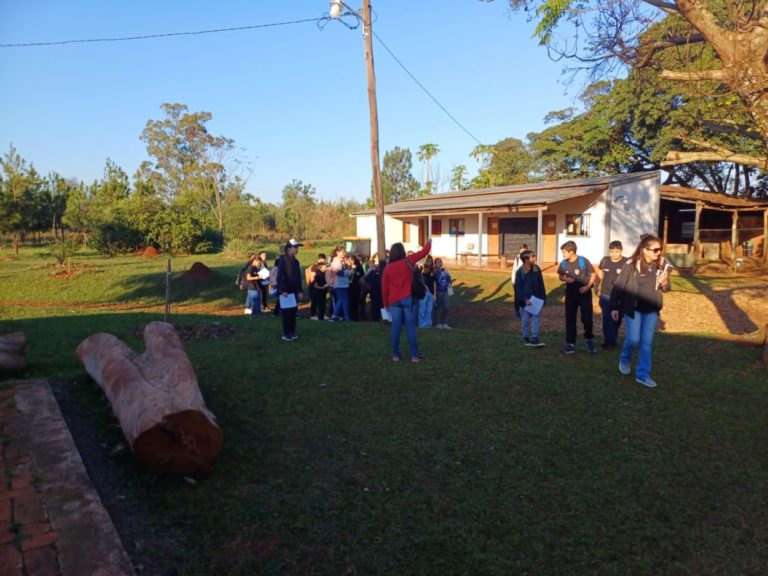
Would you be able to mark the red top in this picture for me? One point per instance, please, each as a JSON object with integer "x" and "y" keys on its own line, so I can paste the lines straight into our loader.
{"x": 397, "y": 277}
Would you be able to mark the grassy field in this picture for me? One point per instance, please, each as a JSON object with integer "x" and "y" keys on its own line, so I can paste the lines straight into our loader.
{"x": 487, "y": 458}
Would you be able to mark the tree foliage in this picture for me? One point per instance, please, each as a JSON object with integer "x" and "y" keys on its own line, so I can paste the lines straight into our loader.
{"x": 397, "y": 181}
{"x": 720, "y": 47}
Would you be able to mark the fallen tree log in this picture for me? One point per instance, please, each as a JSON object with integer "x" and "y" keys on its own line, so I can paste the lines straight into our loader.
{"x": 13, "y": 353}
{"x": 156, "y": 399}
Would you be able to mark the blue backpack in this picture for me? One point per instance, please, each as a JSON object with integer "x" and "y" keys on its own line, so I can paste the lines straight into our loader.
{"x": 582, "y": 265}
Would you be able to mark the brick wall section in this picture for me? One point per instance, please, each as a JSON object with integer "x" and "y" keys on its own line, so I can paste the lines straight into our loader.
{"x": 27, "y": 542}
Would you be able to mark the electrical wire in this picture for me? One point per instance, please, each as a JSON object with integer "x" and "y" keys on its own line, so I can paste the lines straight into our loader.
{"x": 239, "y": 28}
{"x": 427, "y": 92}
{"x": 165, "y": 35}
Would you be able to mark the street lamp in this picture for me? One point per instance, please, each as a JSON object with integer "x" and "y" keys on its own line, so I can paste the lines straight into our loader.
{"x": 337, "y": 10}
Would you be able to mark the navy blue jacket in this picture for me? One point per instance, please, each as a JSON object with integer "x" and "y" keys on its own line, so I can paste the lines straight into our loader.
{"x": 530, "y": 284}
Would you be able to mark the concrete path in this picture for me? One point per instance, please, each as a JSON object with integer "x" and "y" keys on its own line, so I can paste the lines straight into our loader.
{"x": 52, "y": 522}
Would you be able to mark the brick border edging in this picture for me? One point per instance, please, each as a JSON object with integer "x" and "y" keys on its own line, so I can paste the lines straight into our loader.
{"x": 87, "y": 542}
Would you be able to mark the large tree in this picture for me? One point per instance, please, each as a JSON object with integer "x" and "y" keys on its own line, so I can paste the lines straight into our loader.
{"x": 397, "y": 181}
{"x": 604, "y": 33}
{"x": 191, "y": 163}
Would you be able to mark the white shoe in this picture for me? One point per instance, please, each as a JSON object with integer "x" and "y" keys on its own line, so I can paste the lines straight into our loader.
{"x": 247, "y": 311}
{"x": 313, "y": 318}
{"x": 624, "y": 368}
{"x": 446, "y": 327}
{"x": 648, "y": 382}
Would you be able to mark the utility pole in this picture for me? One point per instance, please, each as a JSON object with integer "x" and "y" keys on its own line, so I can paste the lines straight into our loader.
{"x": 378, "y": 195}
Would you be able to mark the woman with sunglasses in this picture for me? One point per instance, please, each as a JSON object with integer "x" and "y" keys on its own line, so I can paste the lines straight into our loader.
{"x": 637, "y": 296}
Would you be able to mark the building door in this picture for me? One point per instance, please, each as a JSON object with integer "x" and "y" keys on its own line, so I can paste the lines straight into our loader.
{"x": 549, "y": 238}
{"x": 514, "y": 232}
{"x": 422, "y": 231}
{"x": 493, "y": 237}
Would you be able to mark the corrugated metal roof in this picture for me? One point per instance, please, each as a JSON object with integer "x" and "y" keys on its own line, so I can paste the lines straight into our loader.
{"x": 513, "y": 198}
{"x": 710, "y": 199}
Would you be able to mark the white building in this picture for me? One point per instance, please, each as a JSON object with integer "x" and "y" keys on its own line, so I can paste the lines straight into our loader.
{"x": 487, "y": 226}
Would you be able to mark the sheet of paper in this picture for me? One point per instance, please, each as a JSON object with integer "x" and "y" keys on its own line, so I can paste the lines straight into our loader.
{"x": 263, "y": 274}
{"x": 288, "y": 301}
{"x": 535, "y": 306}
{"x": 385, "y": 315}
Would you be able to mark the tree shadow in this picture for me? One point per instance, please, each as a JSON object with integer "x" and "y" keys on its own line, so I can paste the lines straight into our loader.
{"x": 737, "y": 320}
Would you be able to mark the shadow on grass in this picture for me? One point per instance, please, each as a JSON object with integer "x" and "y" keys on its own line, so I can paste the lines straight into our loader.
{"x": 486, "y": 458}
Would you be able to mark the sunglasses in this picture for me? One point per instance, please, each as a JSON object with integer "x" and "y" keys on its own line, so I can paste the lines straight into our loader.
{"x": 654, "y": 250}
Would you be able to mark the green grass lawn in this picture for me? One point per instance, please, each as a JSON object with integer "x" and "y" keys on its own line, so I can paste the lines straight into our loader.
{"x": 487, "y": 458}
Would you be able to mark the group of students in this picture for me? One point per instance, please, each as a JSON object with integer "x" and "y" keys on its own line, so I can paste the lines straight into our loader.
{"x": 629, "y": 288}
{"x": 352, "y": 288}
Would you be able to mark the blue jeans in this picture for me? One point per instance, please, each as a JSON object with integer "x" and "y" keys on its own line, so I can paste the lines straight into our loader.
{"x": 640, "y": 330}
{"x": 403, "y": 312}
{"x": 342, "y": 303}
{"x": 252, "y": 301}
{"x": 530, "y": 323}
{"x": 610, "y": 326}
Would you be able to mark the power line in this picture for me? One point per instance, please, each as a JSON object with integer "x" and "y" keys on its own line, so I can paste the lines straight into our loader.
{"x": 235, "y": 29}
{"x": 427, "y": 92}
{"x": 165, "y": 35}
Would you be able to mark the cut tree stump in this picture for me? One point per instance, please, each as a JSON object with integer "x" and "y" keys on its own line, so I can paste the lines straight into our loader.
{"x": 13, "y": 353}
{"x": 156, "y": 399}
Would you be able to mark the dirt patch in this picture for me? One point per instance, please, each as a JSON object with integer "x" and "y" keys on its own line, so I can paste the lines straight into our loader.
{"x": 197, "y": 332}
{"x": 150, "y": 252}
{"x": 198, "y": 271}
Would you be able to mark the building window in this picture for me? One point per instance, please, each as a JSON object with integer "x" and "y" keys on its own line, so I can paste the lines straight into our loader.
{"x": 456, "y": 226}
{"x": 687, "y": 230}
{"x": 406, "y": 232}
{"x": 437, "y": 227}
{"x": 577, "y": 224}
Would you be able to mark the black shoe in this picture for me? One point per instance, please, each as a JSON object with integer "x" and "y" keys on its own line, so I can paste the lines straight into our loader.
{"x": 569, "y": 349}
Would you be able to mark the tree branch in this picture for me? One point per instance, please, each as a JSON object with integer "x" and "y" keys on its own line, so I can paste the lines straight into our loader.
{"x": 674, "y": 158}
{"x": 649, "y": 50}
{"x": 692, "y": 76}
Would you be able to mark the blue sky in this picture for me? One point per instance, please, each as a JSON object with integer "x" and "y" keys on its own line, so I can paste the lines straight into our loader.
{"x": 293, "y": 98}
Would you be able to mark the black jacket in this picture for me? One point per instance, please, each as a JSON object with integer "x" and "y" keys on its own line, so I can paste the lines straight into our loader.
{"x": 624, "y": 292}
{"x": 290, "y": 283}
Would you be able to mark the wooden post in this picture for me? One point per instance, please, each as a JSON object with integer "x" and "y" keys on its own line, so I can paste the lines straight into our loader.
{"x": 167, "y": 289}
{"x": 734, "y": 237}
{"x": 378, "y": 195}
{"x": 666, "y": 230}
{"x": 696, "y": 235}
{"x": 765, "y": 238}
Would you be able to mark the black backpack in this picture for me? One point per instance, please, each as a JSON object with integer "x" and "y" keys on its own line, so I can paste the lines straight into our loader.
{"x": 241, "y": 282}
{"x": 418, "y": 288}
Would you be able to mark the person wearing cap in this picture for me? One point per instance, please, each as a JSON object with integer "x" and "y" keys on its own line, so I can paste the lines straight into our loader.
{"x": 289, "y": 288}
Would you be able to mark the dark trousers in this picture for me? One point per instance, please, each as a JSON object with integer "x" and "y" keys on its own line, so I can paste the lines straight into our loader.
{"x": 289, "y": 321}
{"x": 575, "y": 302}
{"x": 317, "y": 302}
{"x": 263, "y": 291}
{"x": 610, "y": 326}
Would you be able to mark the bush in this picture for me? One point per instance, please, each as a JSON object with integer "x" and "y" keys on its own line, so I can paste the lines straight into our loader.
{"x": 63, "y": 249}
{"x": 112, "y": 238}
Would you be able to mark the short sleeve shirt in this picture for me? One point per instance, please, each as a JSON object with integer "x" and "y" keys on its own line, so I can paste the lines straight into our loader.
{"x": 610, "y": 271}
{"x": 575, "y": 271}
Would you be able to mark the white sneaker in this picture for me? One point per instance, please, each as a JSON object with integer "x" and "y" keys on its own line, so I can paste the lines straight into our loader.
{"x": 647, "y": 382}
{"x": 247, "y": 311}
{"x": 446, "y": 327}
{"x": 624, "y": 368}
{"x": 439, "y": 326}
{"x": 313, "y": 318}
